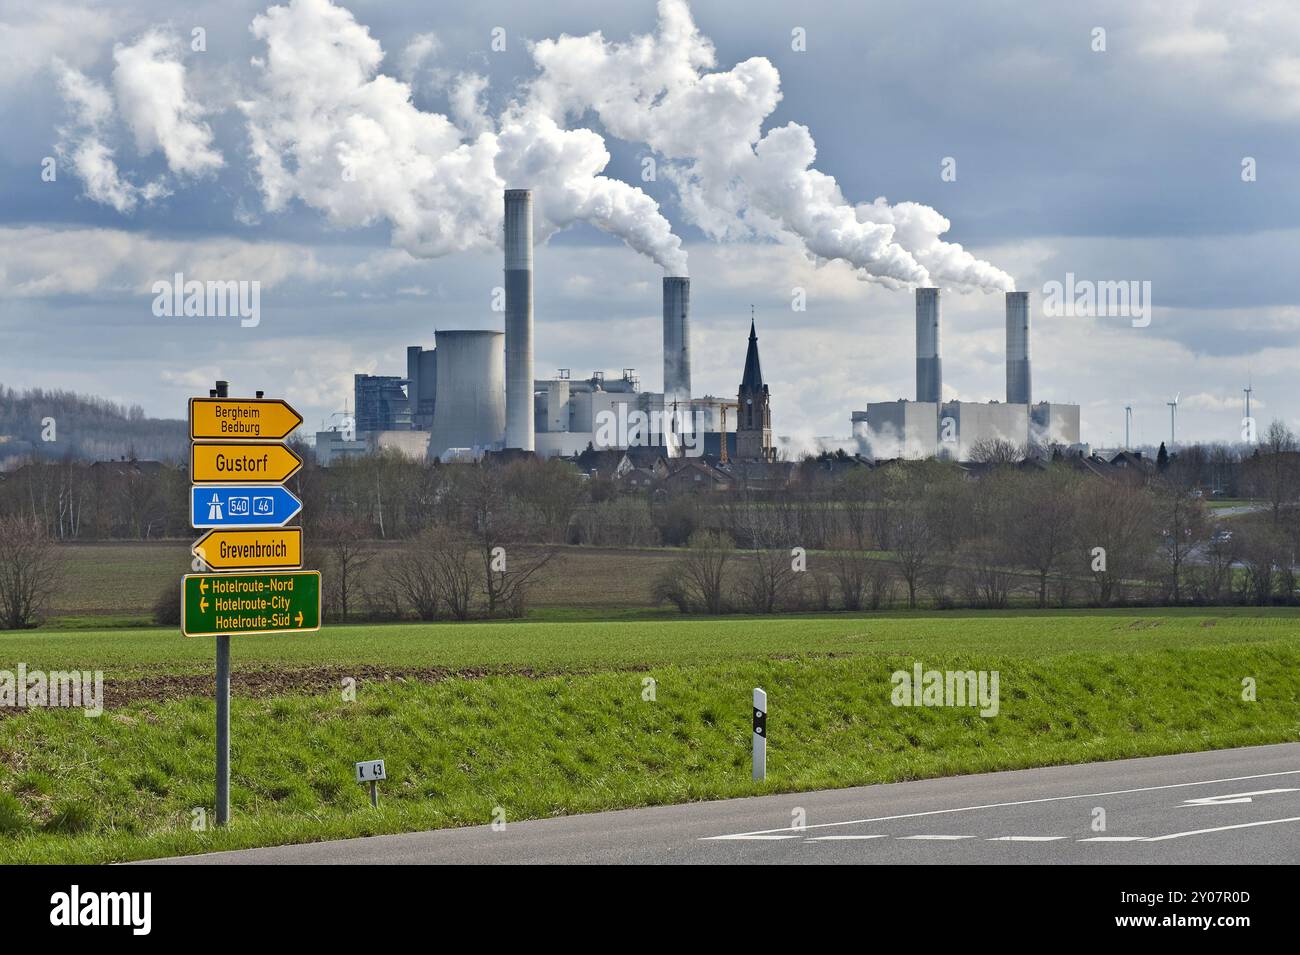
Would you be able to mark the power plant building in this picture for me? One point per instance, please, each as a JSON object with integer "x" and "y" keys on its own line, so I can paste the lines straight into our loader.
{"x": 932, "y": 427}
{"x": 476, "y": 391}
{"x": 381, "y": 403}
{"x": 471, "y": 400}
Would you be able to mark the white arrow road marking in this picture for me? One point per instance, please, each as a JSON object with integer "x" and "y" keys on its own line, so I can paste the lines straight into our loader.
{"x": 1018, "y": 802}
{"x": 1242, "y": 825}
{"x": 1230, "y": 798}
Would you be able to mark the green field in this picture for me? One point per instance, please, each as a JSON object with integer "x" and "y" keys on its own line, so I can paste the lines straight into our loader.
{"x": 543, "y": 718}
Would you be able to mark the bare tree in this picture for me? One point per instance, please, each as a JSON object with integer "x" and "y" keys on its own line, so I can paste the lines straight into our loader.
{"x": 1113, "y": 535}
{"x": 1273, "y": 472}
{"x": 346, "y": 552}
{"x": 29, "y": 571}
{"x": 1041, "y": 533}
{"x": 997, "y": 451}
{"x": 1183, "y": 528}
{"x": 699, "y": 579}
{"x": 851, "y": 571}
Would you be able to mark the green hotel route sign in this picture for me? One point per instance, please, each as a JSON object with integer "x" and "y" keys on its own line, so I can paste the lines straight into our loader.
{"x": 287, "y": 602}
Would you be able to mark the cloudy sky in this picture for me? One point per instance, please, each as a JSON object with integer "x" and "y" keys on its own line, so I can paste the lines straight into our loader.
{"x": 350, "y": 159}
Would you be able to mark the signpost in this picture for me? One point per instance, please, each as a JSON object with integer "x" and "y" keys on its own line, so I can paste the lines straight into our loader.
{"x": 278, "y": 548}
{"x": 371, "y": 771}
{"x": 213, "y": 604}
{"x": 255, "y": 419}
{"x": 231, "y": 462}
{"x": 236, "y": 465}
{"x": 242, "y": 505}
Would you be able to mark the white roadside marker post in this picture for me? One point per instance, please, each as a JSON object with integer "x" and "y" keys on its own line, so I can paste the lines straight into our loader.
{"x": 371, "y": 771}
{"x": 760, "y": 735}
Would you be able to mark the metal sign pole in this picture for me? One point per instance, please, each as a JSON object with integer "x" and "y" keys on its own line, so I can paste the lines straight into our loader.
{"x": 223, "y": 729}
{"x": 223, "y": 702}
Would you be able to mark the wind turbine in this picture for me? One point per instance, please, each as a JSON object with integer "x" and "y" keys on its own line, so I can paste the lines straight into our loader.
{"x": 1248, "y": 426}
{"x": 1173, "y": 413}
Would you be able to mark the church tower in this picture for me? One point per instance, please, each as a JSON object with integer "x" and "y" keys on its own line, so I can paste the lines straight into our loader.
{"x": 754, "y": 417}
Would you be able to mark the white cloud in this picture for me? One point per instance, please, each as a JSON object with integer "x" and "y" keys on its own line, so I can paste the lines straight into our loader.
{"x": 82, "y": 143}
{"x": 42, "y": 262}
{"x": 150, "y": 84}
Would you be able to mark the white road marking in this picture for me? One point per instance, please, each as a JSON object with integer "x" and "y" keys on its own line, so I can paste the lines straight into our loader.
{"x": 843, "y": 838}
{"x": 1115, "y": 839}
{"x": 939, "y": 838}
{"x": 1003, "y": 805}
{"x": 754, "y": 837}
{"x": 1240, "y": 825}
{"x": 1025, "y": 838}
{"x": 1230, "y": 798}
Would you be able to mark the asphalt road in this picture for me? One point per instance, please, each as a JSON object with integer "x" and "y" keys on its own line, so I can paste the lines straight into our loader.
{"x": 1238, "y": 806}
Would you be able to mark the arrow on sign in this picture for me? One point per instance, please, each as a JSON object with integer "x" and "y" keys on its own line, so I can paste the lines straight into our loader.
{"x": 1231, "y": 798}
{"x": 231, "y": 462}
{"x": 248, "y": 419}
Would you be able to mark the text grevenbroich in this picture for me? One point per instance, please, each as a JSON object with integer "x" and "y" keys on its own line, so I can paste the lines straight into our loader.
{"x": 253, "y": 550}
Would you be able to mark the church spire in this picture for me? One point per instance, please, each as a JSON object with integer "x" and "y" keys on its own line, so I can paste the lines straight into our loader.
{"x": 753, "y": 377}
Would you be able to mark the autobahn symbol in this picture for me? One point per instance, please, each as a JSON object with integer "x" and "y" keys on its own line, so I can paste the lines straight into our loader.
{"x": 230, "y": 462}
{"x": 247, "y": 419}
{"x": 218, "y": 604}
{"x": 242, "y": 505}
{"x": 250, "y": 548}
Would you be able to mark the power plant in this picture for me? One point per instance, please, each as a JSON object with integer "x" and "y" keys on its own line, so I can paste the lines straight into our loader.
{"x": 932, "y": 427}
{"x": 476, "y": 391}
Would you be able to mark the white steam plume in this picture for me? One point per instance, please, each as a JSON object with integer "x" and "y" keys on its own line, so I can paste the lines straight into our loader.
{"x": 328, "y": 128}
{"x": 733, "y": 179}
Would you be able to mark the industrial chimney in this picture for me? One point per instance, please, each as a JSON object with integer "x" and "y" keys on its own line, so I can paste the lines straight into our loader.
{"x": 1018, "y": 382}
{"x": 677, "y": 339}
{"x": 519, "y": 319}
{"x": 929, "y": 371}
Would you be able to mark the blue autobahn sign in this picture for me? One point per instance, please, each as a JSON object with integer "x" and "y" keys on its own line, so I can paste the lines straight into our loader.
{"x": 245, "y": 505}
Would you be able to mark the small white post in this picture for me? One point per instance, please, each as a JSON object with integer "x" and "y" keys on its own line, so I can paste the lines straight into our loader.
{"x": 760, "y": 735}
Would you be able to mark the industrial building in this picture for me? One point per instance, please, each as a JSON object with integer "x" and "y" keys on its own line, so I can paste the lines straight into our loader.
{"x": 476, "y": 391}
{"x": 381, "y": 403}
{"x": 932, "y": 427}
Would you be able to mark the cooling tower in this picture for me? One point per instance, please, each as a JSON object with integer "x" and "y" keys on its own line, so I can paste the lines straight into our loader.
{"x": 1018, "y": 383}
{"x": 469, "y": 409}
{"x": 519, "y": 319}
{"x": 677, "y": 339}
{"x": 929, "y": 372}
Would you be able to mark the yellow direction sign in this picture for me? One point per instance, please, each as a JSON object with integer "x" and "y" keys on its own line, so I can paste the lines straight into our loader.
{"x": 245, "y": 419}
{"x": 241, "y": 462}
{"x": 271, "y": 548}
